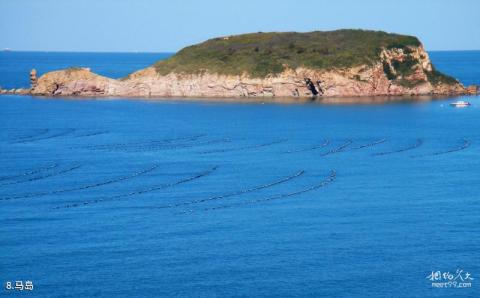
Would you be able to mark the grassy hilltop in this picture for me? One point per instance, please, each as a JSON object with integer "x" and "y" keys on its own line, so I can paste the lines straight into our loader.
{"x": 260, "y": 54}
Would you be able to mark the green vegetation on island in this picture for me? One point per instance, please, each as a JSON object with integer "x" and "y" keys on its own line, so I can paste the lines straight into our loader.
{"x": 261, "y": 54}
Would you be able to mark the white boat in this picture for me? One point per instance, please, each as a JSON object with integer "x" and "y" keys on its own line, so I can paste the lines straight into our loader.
{"x": 460, "y": 104}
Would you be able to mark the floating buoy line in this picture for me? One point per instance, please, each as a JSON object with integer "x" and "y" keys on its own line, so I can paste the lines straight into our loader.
{"x": 58, "y": 173}
{"x": 30, "y": 172}
{"x": 324, "y": 144}
{"x": 377, "y": 142}
{"x": 330, "y": 178}
{"x": 416, "y": 145}
{"x": 138, "y": 192}
{"x": 236, "y": 193}
{"x": 40, "y": 194}
{"x": 465, "y": 145}
{"x": 338, "y": 149}
{"x": 243, "y": 148}
{"x": 36, "y": 139}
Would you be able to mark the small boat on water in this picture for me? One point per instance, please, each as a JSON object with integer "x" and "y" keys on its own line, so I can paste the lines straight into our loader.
{"x": 460, "y": 104}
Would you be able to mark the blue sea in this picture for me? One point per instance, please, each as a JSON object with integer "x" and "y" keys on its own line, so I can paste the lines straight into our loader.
{"x": 199, "y": 198}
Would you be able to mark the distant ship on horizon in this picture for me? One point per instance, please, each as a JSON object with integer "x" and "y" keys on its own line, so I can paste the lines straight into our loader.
{"x": 7, "y": 50}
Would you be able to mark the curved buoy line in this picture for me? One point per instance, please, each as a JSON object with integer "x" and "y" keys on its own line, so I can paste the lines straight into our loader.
{"x": 138, "y": 192}
{"x": 338, "y": 149}
{"x": 377, "y": 142}
{"x": 236, "y": 193}
{"x": 416, "y": 145}
{"x": 64, "y": 171}
{"x": 125, "y": 146}
{"x": 91, "y": 134}
{"x": 41, "y": 133}
{"x": 123, "y": 178}
{"x": 243, "y": 148}
{"x": 465, "y": 145}
{"x": 145, "y": 143}
{"x": 330, "y": 178}
{"x": 69, "y": 131}
{"x": 189, "y": 138}
{"x": 324, "y": 144}
{"x": 30, "y": 172}
{"x": 175, "y": 146}
{"x": 161, "y": 147}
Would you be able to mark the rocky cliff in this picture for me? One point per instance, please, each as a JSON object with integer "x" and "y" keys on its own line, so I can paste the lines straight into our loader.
{"x": 338, "y": 63}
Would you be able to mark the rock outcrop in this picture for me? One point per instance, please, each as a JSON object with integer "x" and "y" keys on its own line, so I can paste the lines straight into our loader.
{"x": 364, "y": 80}
{"x": 19, "y": 91}
{"x": 472, "y": 90}
{"x": 395, "y": 70}
{"x": 33, "y": 78}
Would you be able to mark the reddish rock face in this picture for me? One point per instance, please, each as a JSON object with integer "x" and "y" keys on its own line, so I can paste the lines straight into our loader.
{"x": 473, "y": 89}
{"x": 397, "y": 72}
{"x": 33, "y": 78}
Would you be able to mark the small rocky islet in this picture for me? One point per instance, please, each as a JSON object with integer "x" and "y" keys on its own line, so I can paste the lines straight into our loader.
{"x": 341, "y": 63}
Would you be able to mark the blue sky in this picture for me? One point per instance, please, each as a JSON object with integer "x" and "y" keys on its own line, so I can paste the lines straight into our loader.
{"x": 166, "y": 26}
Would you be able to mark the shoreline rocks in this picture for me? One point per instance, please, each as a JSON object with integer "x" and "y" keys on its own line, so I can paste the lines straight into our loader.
{"x": 394, "y": 69}
{"x": 18, "y": 91}
{"x": 472, "y": 89}
{"x": 379, "y": 79}
{"x": 33, "y": 78}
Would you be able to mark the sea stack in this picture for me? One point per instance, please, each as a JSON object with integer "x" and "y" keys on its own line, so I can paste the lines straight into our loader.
{"x": 290, "y": 64}
{"x": 33, "y": 78}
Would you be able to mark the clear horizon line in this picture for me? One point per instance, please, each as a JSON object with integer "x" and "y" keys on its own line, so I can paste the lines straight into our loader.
{"x": 106, "y": 52}
{"x": 163, "y": 52}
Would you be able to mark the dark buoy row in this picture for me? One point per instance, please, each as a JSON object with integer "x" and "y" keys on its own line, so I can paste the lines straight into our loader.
{"x": 143, "y": 191}
{"x": 30, "y": 172}
{"x": 465, "y": 145}
{"x": 374, "y": 143}
{"x": 236, "y": 193}
{"x": 119, "y": 179}
{"x": 45, "y": 176}
{"x": 243, "y": 148}
{"x": 416, "y": 145}
{"x": 127, "y": 145}
{"x": 324, "y": 144}
{"x": 330, "y": 178}
{"x": 38, "y": 133}
{"x": 174, "y": 146}
{"x": 92, "y": 134}
{"x": 338, "y": 149}
{"x": 36, "y": 139}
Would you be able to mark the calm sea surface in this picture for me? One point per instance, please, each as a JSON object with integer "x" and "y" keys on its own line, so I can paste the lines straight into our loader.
{"x": 133, "y": 198}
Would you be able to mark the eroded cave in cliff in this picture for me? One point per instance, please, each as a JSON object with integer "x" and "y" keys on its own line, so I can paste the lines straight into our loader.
{"x": 311, "y": 86}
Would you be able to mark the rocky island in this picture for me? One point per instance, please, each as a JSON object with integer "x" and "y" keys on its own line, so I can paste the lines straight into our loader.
{"x": 334, "y": 63}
